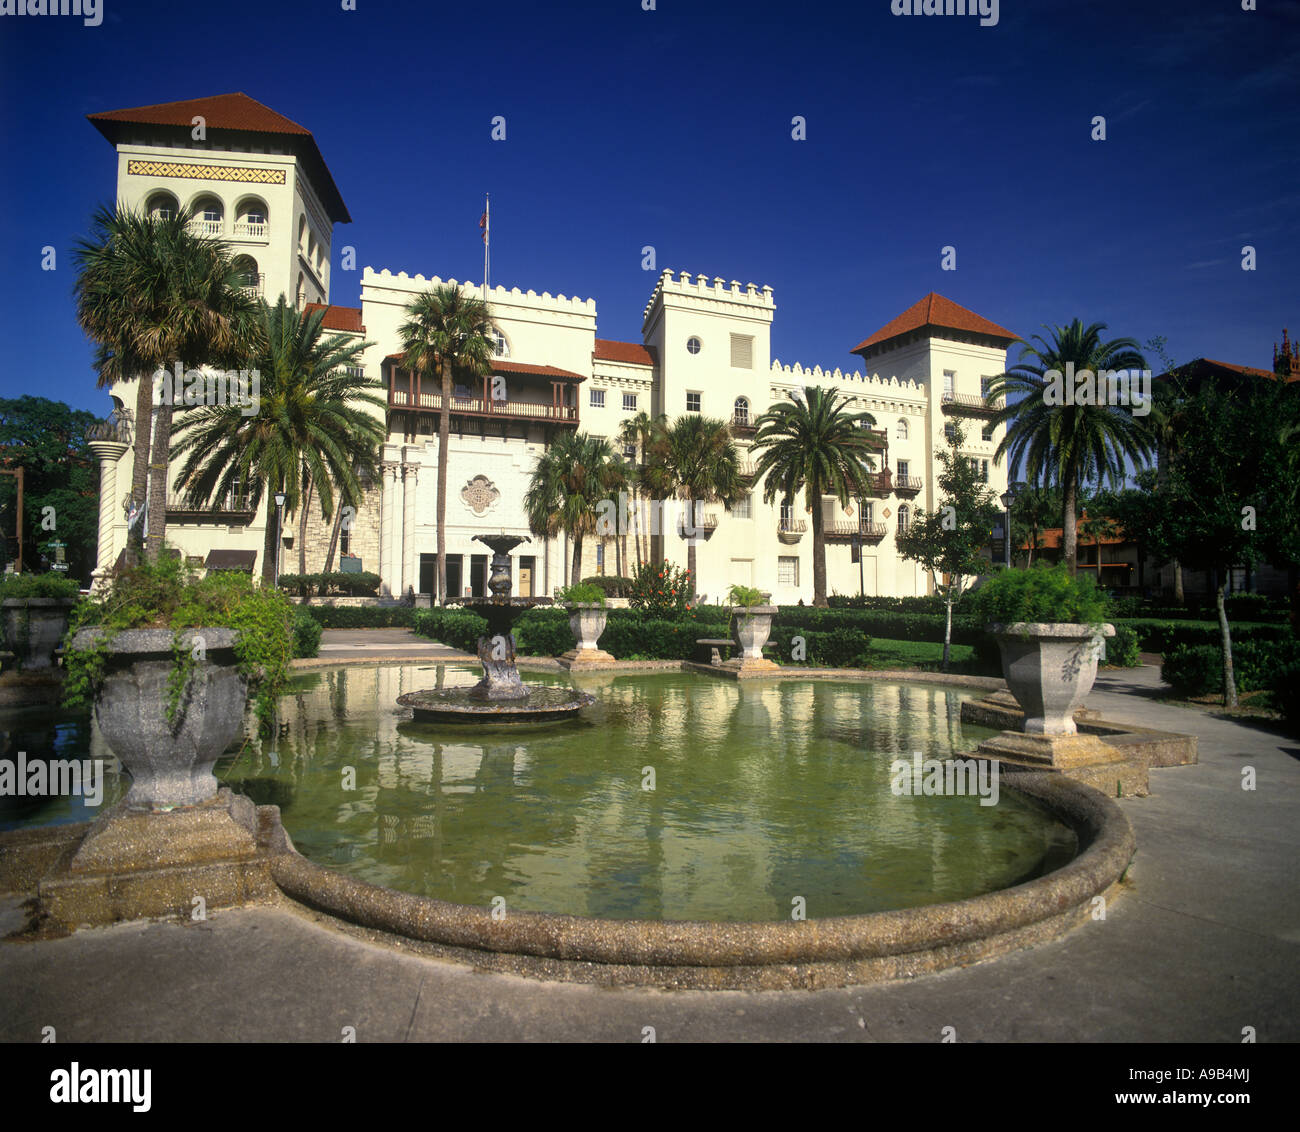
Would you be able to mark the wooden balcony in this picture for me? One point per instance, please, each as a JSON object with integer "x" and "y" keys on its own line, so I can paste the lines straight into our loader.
{"x": 963, "y": 404}
{"x": 743, "y": 425}
{"x": 234, "y": 510}
{"x": 404, "y": 401}
{"x": 881, "y": 483}
{"x": 909, "y": 484}
{"x": 847, "y": 531}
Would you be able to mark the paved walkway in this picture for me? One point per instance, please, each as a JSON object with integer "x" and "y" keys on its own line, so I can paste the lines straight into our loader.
{"x": 1205, "y": 942}
{"x": 377, "y": 645}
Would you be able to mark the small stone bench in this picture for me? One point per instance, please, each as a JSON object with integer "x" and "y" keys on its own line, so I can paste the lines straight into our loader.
{"x": 708, "y": 649}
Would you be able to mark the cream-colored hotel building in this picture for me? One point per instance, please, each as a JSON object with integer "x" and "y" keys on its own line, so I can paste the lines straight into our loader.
{"x": 258, "y": 181}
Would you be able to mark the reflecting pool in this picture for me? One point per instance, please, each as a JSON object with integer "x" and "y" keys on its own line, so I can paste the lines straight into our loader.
{"x": 675, "y": 796}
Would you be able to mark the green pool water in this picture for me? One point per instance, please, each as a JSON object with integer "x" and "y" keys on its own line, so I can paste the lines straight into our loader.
{"x": 766, "y": 796}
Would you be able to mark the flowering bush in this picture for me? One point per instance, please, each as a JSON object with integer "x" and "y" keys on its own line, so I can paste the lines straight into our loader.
{"x": 662, "y": 591}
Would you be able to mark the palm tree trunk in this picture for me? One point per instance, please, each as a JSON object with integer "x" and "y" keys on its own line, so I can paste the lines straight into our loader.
{"x": 690, "y": 548}
{"x": 270, "y": 541}
{"x": 1179, "y": 596}
{"x": 819, "y": 554}
{"x": 159, "y": 452}
{"x": 302, "y": 523}
{"x": 334, "y": 539}
{"x": 1070, "y": 527}
{"x": 576, "y": 575}
{"x": 140, "y": 467}
{"x": 444, "y": 437}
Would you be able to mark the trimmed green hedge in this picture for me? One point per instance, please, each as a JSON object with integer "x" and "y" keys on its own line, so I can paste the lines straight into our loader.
{"x": 1163, "y": 636}
{"x": 336, "y": 582}
{"x": 52, "y": 584}
{"x": 362, "y": 616}
{"x": 1122, "y": 649}
{"x": 1197, "y": 670}
{"x": 1239, "y": 607}
{"x": 455, "y": 627}
{"x": 612, "y": 584}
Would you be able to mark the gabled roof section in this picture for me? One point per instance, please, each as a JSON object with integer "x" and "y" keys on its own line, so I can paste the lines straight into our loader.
{"x": 1199, "y": 368}
{"x": 507, "y": 365}
{"x": 936, "y": 313}
{"x": 344, "y": 319}
{"x": 231, "y": 114}
{"x": 632, "y": 353}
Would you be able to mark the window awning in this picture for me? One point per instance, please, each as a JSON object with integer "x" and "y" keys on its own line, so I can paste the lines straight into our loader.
{"x": 231, "y": 560}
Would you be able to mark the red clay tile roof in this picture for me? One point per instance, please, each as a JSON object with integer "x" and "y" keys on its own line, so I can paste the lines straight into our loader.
{"x": 1053, "y": 538}
{"x": 505, "y": 365}
{"x": 1246, "y": 371}
{"x": 338, "y": 318}
{"x": 236, "y": 112}
{"x": 632, "y": 352}
{"x": 934, "y": 310}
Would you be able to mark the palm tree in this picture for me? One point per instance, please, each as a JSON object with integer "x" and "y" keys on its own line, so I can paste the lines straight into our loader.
{"x": 1068, "y": 445}
{"x": 817, "y": 444}
{"x": 314, "y": 431}
{"x": 695, "y": 458}
{"x": 1032, "y": 513}
{"x": 572, "y": 478}
{"x": 1095, "y": 528}
{"x": 446, "y": 333}
{"x": 639, "y": 430}
{"x": 152, "y": 294}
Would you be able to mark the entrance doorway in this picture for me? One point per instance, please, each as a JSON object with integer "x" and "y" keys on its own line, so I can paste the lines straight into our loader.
{"x": 454, "y": 564}
{"x": 428, "y": 574}
{"x": 527, "y": 568}
{"x": 478, "y": 574}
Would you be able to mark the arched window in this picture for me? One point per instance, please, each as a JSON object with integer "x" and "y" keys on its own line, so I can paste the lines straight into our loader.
{"x": 302, "y": 234}
{"x": 162, "y": 206}
{"x": 904, "y": 516}
{"x": 301, "y": 299}
{"x": 209, "y": 214}
{"x": 900, "y": 430}
{"x": 249, "y": 279}
{"x": 250, "y": 218}
{"x": 741, "y": 411}
{"x": 500, "y": 346}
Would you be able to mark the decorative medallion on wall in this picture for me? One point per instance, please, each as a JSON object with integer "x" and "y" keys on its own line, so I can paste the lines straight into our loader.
{"x": 479, "y": 494}
{"x": 886, "y": 512}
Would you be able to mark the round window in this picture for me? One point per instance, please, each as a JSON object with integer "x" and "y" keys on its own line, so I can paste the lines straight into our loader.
{"x": 692, "y": 345}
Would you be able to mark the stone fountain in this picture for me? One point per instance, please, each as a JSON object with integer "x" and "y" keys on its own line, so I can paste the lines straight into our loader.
{"x": 500, "y": 696}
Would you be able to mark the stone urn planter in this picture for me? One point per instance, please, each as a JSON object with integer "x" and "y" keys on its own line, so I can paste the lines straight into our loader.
{"x": 586, "y": 623}
{"x": 752, "y": 625}
{"x": 170, "y": 762}
{"x": 33, "y": 628}
{"x": 1049, "y": 668}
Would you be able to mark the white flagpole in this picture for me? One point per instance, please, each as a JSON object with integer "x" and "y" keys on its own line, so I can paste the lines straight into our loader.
{"x": 487, "y": 243}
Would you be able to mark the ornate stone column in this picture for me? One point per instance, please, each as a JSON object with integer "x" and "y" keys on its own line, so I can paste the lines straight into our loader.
{"x": 411, "y": 473}
{"x": 387, "y": 558}
{"x": 109, "y": 452}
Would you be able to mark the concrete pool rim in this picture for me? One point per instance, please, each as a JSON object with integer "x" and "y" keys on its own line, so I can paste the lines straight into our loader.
{"x": 718, "y": 955}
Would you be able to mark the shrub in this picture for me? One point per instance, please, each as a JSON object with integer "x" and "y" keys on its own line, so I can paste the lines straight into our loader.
{"x": 543, "y": 633}
{"x": 306, "y": 634}
{"x": 661, "y": 591}
{"x": 1285, "y": 686}
{"x": 930, "y": 603}
{"x": 836, "y": 648}
{"x": 1193, "y": 670}
{"x": 583, "y": 592}
{"x": 1041, "y": 594}
{"x": 38, "y": 585}
{"x": 455, "y": 627}
{"x": 335, "y": 583}
{"x": 745, "y": 596}
{"x": 1162, "y": 636}
{"x": 612, "y": 584}
{"x": 1122, "y": 649}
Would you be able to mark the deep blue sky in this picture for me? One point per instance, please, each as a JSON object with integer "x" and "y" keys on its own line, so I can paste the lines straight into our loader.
{"x": 672, "y": 128}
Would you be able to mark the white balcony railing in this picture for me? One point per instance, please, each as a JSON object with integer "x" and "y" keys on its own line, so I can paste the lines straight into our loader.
{"x": 248, "y": 230}
{"x": 201, "y": 227}
{"x": 254, "y": 290}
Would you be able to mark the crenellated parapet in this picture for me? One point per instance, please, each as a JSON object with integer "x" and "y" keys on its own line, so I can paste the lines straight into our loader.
{"x": 700, "y": 286}
{"x": 884, "y": 388}
{"x": 402, "y": 281}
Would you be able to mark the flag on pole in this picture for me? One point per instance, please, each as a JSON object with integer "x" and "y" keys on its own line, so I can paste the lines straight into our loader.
{"x": 483, "y": 223}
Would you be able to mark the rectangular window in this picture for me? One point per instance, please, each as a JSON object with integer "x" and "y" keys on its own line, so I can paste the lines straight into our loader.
{"x": 629, "y": 402}
{"x": 787, "y": 571}
{"x": 949, "y": 431}
{"x": 985, "y": 382}
{"x": 902, "y": 469}
{"x": 345, "y": 542}
{"x": 949, "y": 381}
{"x": 828, "y": 512}
{"x": 787, "y": 512}
{"x": 742, "y": 351}
{"x": 987, "y": 434}
{"x": 692, "y": 402}
{"x": 629, "y": 451}
{"x": 597, "y": 398}
{"x": 984, "y": 471}
{"x": 866, "y": 514}
{"x": 600, "y": 558}
{"x": 742, "y": 508}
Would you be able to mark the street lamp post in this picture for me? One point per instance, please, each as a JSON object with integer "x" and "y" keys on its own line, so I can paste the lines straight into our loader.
{"x": 857, "y": 548}
{"x": 279, "y": 524}
{"x": 1008, "y": 499}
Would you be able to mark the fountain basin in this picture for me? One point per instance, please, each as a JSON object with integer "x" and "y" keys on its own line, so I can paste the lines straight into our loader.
{"x": 540, "y": 704}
